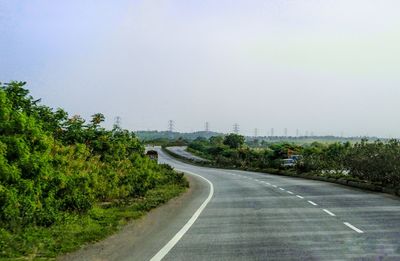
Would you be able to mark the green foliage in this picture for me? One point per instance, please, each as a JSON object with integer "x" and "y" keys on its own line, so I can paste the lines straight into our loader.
{"x": 377, "y": 161}
{"x": 234, "y": 141}
{"x": 368, "y": 161}
{"x": 52, "y": 165}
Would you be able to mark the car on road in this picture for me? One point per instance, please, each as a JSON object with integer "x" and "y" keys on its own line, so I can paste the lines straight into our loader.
{"x": 152, "y": 154}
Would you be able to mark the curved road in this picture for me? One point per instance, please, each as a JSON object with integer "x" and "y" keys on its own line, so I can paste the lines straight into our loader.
{"x": 254, "y": 216}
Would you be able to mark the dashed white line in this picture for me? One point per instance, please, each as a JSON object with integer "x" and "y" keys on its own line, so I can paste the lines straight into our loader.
{"x": 329, "y": 213}
{"x": 312, "y": 203}
{"x": 178, "y": 236}
{"x": 353, "y": 227}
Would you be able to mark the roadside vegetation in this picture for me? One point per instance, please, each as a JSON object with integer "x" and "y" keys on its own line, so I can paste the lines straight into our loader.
{"x": 374, "y": 162}
{"x": 65, "y": 182}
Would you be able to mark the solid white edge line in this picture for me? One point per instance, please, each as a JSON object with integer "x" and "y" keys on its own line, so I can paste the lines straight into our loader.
{"x": 275, "y": 186}
{"x": 329, "y": 213}
{"x": 282, "y": 189}
{"x": 353, "y": 227}
{"x": 165, "y": 250}
{"x": 299, "y": 196}
{"x": 312, "y": 203}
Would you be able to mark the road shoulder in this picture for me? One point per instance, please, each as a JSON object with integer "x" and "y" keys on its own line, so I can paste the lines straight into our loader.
{"x": 142, "y": 238}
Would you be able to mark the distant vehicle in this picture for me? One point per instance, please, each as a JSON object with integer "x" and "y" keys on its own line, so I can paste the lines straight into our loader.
{"x": 291, "y": 161}
{"x": 152, "y": 154}
{"x": 287, "y": 163}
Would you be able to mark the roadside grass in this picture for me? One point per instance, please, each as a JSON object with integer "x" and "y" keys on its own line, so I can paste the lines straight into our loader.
{"x": 74, "y": 230}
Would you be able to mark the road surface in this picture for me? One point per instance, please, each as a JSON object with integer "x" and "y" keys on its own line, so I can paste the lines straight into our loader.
{"x": 238, "y": 215}
{"x": 181, "y": 150}
{"x": 254, "y": 216}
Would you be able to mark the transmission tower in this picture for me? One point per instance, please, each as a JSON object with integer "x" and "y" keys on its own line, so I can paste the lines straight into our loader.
{"x": 171, "y": 125}
{"x": 297, "y": 132}
{"x": 117, "y": 122}
{"x": 285, "y": 131}
{"x": 255, "y": 132}
{"x": 272, "y": 132}
{"x": 207, "y": 126}
{"x": 236, "y": 128}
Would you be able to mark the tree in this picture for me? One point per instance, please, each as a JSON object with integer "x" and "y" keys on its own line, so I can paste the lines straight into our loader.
{"x": 97, "y": 119}
{"x": 234, "y": 141}
{"x": 216, "y": 140}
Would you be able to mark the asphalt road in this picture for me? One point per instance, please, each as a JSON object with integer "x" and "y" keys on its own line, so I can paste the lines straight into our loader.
{"x": 253, "y": 216}
{"x": 181, "y": 150}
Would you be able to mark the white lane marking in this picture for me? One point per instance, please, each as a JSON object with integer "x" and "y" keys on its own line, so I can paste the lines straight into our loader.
{"x": 299, "y": 196}
{"x": 275, "y": 186}
{"x": 353, "y": 227}
{"x": 329, "y": 213}
{"x": 164, "y": 251}
{"x": 281, "y": 188}
{"x": 312, "y": 203}
{"x": 290, "y": 192}
{"x": 268, "y": 183}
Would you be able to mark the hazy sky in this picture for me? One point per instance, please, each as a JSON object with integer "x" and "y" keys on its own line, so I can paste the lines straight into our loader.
{"x": 327, "y": 66}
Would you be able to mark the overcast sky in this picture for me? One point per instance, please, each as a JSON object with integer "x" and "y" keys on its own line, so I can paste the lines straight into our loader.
{"x": 323, "y": 66}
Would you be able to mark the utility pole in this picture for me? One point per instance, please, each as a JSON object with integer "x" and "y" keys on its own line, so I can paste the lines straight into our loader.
{"x": 272, "y": 132}
{"x": 236, "y": 128}
{"x": 207, "y": 126}
{"x": 285, "y": 132}
{"x": 255, "y": 133}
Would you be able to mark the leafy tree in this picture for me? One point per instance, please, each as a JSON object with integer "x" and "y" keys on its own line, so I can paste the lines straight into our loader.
{"x": 52, "y": 164}
{"x": 234, "y": 141}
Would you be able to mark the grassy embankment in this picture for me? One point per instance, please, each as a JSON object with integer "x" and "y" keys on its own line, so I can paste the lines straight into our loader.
{"x": 73, "y": 231}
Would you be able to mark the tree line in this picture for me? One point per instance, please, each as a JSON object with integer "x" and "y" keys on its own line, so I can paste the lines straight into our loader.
{"x": 372, "y": 161}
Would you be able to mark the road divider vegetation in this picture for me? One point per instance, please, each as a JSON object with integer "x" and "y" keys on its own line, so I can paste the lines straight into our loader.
{"x": 368, "y": 165}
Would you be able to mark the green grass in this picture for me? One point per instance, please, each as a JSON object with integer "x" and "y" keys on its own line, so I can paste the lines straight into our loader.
{"x": 74, "y": 230}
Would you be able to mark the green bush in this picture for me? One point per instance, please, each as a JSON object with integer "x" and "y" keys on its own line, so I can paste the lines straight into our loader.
{"x": 52, "y": 164}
